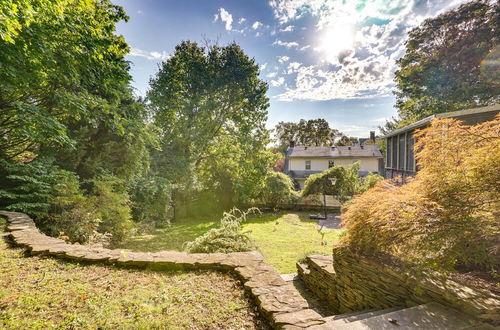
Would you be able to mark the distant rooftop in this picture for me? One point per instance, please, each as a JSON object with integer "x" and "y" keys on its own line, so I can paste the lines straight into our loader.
{"x": 479, "y": 112}
{"x": 370, "y": 150}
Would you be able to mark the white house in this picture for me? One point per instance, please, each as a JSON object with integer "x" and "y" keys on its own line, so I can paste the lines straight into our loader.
{"x": 300, "y": 162}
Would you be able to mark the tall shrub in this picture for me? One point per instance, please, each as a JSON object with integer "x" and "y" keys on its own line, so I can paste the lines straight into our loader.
{"x": 278, "y": 189}
{"x": 448, "y": 214}
{"x": 113, "y": 207}
{"x": 339, "y": 181}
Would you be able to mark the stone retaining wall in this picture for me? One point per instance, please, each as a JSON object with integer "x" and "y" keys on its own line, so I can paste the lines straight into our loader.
{"x": 350, "y": 282}
{"x": 279, "y": 302}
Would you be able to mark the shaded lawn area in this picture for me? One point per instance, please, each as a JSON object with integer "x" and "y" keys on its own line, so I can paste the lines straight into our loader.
{"x": 283, "y": 238}
{"x": 169, "y": 238}
{"x": 38, "y": 292}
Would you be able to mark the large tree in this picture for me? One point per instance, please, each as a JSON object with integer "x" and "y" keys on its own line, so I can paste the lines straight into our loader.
{"x": 451, "y": 62}
{"x": 312, "y": 132}
{"x": 60, "y": 61}
{"x": 207, "y": 101}
{"x": 72, "y": 136}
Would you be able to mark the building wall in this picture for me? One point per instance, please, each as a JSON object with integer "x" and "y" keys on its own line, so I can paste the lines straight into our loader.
{"x": 367, "y": 164}
{"x": 317, "y": 164}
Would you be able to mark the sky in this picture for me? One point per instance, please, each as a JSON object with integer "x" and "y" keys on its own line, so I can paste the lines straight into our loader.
{"x": 331, "y": 59}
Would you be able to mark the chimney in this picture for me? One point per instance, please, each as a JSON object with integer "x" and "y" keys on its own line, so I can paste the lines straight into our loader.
{"x": 372, "y": 136}
{"x": 292, "y": 143}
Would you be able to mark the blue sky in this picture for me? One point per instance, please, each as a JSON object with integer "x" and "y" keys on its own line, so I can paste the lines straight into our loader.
{"x": 331, "y": 59}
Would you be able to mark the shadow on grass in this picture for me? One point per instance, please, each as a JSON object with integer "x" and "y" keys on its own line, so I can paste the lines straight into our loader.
{"x": 172, "y": 237}
{"x": 282, "y": 237}
{"x": 293, "y": 217}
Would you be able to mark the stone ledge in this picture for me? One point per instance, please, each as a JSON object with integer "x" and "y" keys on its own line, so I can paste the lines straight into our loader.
{"x": 352, "y": 282}
{"x": 279, "y": 302}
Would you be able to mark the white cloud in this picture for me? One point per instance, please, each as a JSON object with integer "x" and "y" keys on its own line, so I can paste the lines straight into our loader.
{"x": 225, "y": 17}
{"x": 271, "y": 74}
{"x": 242, "y": 20}
{"x": 257, "y": 25}
{"x": 354, "y": 130}
{"x": 293, "y": 67}
{"x": 356, "y": 44}
{"x": 361, "y": 79}
{"x": 139, "y": 12}
{"x": 263, "y": 66}
{"x": 278, "y": 82}
{"x": 289, "y": 28}
{"x": 286, "y": 44}
{"x": 283, "y": 59}
{"x": 154, "y": 55}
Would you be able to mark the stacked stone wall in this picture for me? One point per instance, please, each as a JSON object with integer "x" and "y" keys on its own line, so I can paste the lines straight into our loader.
{"x": 278, "y": 301}
{"x": 352, "y": 282}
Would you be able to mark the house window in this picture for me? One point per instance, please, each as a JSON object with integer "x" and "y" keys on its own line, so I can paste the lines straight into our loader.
{"x": 401, "y": 153}
{"x": 389, "y": 153}
{"x": 331, "y": 163}
{"x": 394, "y": 148}
{"x": 308, "y": 164}
{"x": 410, "y": 144}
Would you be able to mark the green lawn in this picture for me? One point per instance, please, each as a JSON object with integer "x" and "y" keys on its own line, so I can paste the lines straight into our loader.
{"x": 282, "y": 238}
{"x": 285, "y": 238}
{"x": 169, "y": 238}
{"x": 41, "y": 293}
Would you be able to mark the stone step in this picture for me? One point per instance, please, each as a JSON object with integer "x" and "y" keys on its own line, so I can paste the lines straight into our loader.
{"x": 289, "y": 277}
{"x": 356, "y": 316}
{"x": 428, "y": 316}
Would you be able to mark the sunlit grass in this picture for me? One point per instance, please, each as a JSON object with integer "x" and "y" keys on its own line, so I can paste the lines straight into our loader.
{"x": 42, "y": 293}
{"x": 282, "y": 238}
{"x": 285, "y": 238}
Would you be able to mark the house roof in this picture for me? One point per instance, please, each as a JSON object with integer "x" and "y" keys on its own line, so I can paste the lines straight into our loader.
{"x": 476, "y": 114}
{"x": 370, "y": 150}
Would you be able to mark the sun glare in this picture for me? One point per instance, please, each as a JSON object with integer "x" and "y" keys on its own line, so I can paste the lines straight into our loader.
{"x": 336, "y": 39}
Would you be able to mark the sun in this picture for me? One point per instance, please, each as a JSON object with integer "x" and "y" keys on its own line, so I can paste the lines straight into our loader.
{"x": 335, "y": 39}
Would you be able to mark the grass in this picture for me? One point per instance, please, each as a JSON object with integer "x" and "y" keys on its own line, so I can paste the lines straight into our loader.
{"x": 169, "y": 238}
{"x": 38, "y": 292}
{"x": 282, "y": 238}
{"x": 285, "y": 238}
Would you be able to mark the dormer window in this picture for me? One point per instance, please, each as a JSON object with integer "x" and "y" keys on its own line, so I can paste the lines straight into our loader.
{"x": 308, "y": 164}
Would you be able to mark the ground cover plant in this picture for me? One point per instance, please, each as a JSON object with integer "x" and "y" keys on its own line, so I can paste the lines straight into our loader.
{"x": 39, "y": 292}
{"x": 227, "y": 237}
{"x": 447, "y": 216}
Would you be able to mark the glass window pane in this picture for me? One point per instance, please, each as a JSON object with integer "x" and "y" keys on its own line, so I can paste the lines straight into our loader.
{"x": 388, "y": 152}
{"x": 401, "y": 156}
{"x": 394, "y": 152}
{"x": 410, "y": 145}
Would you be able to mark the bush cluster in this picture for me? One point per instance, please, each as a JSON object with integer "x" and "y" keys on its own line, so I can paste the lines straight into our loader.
{"x": 278, "y": 190}
{"x": 343, "y": 182}
{"x": 447, "y": 216}
{"x": 227, "y": 237}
